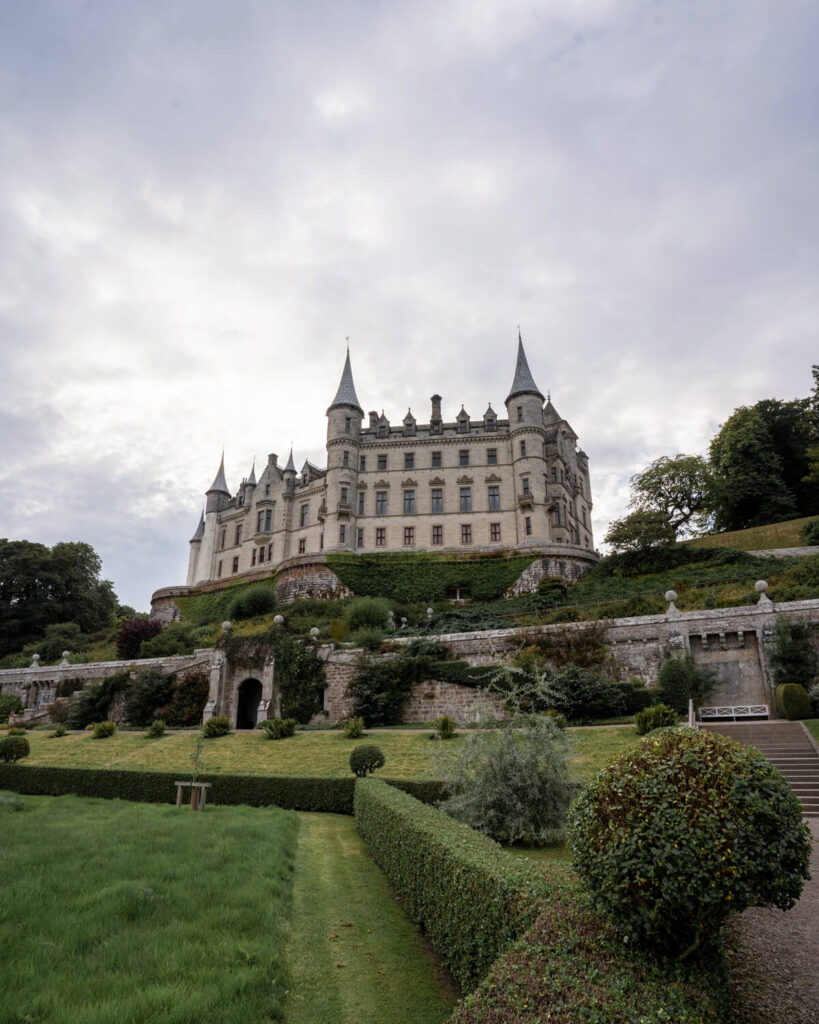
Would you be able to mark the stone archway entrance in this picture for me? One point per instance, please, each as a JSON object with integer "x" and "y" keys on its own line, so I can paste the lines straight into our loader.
{"x": 247, "y": 712}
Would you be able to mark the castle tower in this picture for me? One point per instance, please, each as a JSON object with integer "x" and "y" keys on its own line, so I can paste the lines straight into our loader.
{"x": 196, "y": 548}
{"x": 217, "y": 498}
{"x": 344, "y": 417}
{"x": 524, "y": 405}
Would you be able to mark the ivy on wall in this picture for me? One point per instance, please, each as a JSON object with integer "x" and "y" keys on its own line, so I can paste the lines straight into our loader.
{"x": 423, "y": 576}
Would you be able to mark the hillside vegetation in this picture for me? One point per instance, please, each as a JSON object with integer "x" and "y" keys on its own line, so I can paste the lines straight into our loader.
{"x": 758, "y": 538}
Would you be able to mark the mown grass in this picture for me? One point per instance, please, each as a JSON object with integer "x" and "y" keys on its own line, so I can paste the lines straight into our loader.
{"x": 757, "y": 538}
{"x": 353, "y": 955}
{"x": 409, "y": 755}
{"x": 812, "y": 725}
{"x": 118, "y": 913}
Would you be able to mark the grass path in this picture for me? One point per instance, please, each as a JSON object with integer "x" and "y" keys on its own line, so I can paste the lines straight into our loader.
{"x": 353, "y": 956}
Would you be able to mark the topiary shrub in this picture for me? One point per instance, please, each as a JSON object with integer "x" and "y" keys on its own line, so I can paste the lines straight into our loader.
{"x": 60, "y": 729}
{"x": 10, "y": 704}
{"x": 366, "y": 759}
{"x": 353, "y": 728}
{"x": 673, "y": 837}
{"x": 217, "y": 726}
{"x": 256, "y": 600}
{"x": 793, "y": 657}
{"x": 102, "y": 730}
{"x": 369, "y": 638}
{"x": 444, "y": 727}
{"x": 156, "y": 729}
{"x": 680, "y": 680}
{"x": 793, "y": 702}
{"x": 367, "y": 613}
{"x": 660, "y": 716}
{"x": 810, "y": 531}
{"x": 145, "y": 695}
{"x": 278, "y": 728}
{"x": 14, "y": 748}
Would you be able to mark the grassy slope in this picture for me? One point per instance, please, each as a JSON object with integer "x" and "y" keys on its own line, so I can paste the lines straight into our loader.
{"x": 757, "y": 538}
{"x": 409, "y": 754}
{"x": 353, "y": 955}
{"x": 117, "y": 913}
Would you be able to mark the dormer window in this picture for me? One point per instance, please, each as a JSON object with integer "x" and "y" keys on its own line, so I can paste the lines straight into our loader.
{"x": 463, "y": 426}
{"x": 382, "y": 430}
{"x": 491, "y": 423}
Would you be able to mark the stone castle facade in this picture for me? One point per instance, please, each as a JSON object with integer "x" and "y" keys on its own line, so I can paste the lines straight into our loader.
{"x": 467, "y": 485}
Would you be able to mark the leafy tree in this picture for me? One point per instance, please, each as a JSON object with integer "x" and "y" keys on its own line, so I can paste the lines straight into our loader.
{"x": 678, "y": 488}
{"x": 640, "y": 531}
{"x": 680, "y": 680}
{"x": 793, "y": 656}
{"x": 131, "y": 634}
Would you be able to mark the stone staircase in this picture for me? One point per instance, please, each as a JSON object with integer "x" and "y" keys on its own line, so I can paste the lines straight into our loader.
{"x": 786, "y": 745}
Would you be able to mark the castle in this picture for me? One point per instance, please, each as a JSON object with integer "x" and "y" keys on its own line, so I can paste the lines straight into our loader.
{"x": 468, "y": 485}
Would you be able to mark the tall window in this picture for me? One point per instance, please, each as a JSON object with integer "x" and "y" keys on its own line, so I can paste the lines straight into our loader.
{"x": 466, "y": 499}
{"x": 380, "y": 537}
{"x": 380, "y": 503}
{"x": 409, "y": 536}
{"x": 362, "y": 463}
{"x": 525, "y": 484}
{"x": 268, "y": 518}
{"x": 491, "y": 423}
{"x": 492, "y": 456}
{"x": 347, "y": 424}
{"x": 238, "y": 534}
{"x": 236, "y": 563}
{"x": 259, "y": 520}
{"x": 437, "y": 535}
{"x": 556, "y": 516}
{"x": 463, "y": 426}
{"x": 222, "y": 538}
{"x": 466, "y": 533}
{"x": 520, "y": 414}
{"x": 305, "y": 514}
{"x": 436, "y": 460}
{"x": 494, "y": 531}
{"x": 219, "y": 568}
{"x": 437, "y": 499}
{"x": 409, "y": 460}
{"x": 253, "y": 557}
{"x": 361, "y": 496}
{"x": 494, "y": 498}
{"x": 528, "y": 525}
{"x": 345, "y": 458}
{"x": 463, "y": 457}
{"x": 382, "y": 430}
{"x": 360, "y": 539}
{"x": 342, "y": 534}
{"x": 522, "y": 449}
{"x": 302, "y": 546}
{"x": 270, "y": 551}
{"x": 261, "y": 554}
{"x": 409, "y": 503}
{"x": 554, "y": 474}
{"x": 344, "y": 493}
{"x": 382, "y": 462}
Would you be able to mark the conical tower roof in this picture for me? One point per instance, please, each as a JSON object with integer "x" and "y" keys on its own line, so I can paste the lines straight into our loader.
{"x": 291, "y": 465}
{"x": 252, "y": 478}
{"x": 200, "y": 529}
{"x": 346, "y": 389}
{"x": 220, "y": 484}
{"x": 524, "y": 382}
{"x": 550, "y": 414}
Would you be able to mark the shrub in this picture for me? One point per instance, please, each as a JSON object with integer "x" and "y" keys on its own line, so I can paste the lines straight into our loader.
{"x": 145, "y": 695}
{"x": 156, "y": 729}
{"x": 810, "y": 531}
{"x": 257, "y": 600}
{"x": 444, "y": 727}
{"x": 60, "y": 729}
{"x": 353, "y": 728}
{"x": 102, "y": 730}
{"x": 793, "y": 702}
{"x": 17, "y": 730}
{"x": 175, "y": 638}
{"x": 560, "y": 720}
{"x": 367, "y": 613}
{"x": 369, "y": 638}
{"x": 366, "y": 759}
{"x": 660, "y": 716}
{"x": 379, "y": 690}
{"x": 58, "y": 712}
{"x": 14, "y": 748}
{"x": 216, "y": 726}
{"x": 813, "y": 693}
{"x": 279, "y": 728}
{"x": 690, "y": 827}
{"x": 10, "y": 704}
{"x": 680, "y": 680}
{"x": 635, "y": 696}
{"x": 94, "y": 701}
{"x": 190, "y": 693}
{"x": 513, "y": 784}
{"x": 132, "y": 632}
{"x": 793, "y": 656}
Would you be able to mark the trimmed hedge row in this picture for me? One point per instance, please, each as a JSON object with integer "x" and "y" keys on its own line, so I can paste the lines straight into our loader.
{"x": 470, "y": 897}
{"x": 334, "y": 796}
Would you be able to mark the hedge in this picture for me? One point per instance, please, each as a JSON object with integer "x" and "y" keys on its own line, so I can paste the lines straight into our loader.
{"x": 332, "y": 795}
{"x": 793, "y": 702}
{"x": 471, "y": 899}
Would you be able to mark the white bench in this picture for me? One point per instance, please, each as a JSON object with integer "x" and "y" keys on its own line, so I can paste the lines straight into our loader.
{"x": 734, "y": 711}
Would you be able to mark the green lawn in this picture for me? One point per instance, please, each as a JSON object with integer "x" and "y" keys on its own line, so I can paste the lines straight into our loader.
{"x": 757, "y": 538}
{"x": 812, "y": 725}
{"x": 408, "y": 754}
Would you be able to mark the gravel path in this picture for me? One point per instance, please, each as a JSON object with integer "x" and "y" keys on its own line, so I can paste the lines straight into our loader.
{"x": 776, "y": 957}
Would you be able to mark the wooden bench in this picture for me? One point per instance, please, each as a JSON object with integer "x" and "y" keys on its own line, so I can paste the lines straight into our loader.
{"x": 733, "y": 711}
{"x": 199, "y": 794}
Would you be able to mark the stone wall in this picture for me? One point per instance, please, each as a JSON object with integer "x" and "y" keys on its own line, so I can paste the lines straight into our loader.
{"x": 308, "y": 578}
{"x": 569, "y": 567}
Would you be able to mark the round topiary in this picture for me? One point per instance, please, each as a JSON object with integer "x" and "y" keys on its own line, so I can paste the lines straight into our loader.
{"x": 365, "y": 759}
{"x": 793, "y": 702}
{"x": 14, "y": 748}
{"x": 216, "y": 726}
{"x": 660, "y": 716}
{"x": 102, "y": 730}
{"x": 673, "y": 837}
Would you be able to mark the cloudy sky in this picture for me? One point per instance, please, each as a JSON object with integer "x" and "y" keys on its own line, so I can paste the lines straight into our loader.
{"x": 200, "y": 200}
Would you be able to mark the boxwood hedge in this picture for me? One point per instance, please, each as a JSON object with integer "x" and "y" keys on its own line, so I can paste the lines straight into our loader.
{"x": 470, "y": 897}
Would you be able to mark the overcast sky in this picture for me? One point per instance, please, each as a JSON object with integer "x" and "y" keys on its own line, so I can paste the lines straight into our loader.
{"x": 200, "y": 200}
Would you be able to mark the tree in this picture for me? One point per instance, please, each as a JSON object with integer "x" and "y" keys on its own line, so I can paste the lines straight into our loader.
{"x": 640, "y": 531}
{"x": 679, "y": 488}
{"x": 793, "y": 656}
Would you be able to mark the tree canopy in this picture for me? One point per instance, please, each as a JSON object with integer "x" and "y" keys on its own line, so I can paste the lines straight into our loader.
{"x": 679, "y": 488}
{"x": 41, "y": 586}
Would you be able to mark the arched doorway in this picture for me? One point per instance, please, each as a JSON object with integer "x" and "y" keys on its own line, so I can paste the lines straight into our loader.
{"x": 250, "y": 693}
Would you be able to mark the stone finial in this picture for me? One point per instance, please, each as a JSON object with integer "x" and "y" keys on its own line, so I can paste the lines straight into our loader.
{"x": 671, "y": 597}
{"x": 760, "y": 587}
{"x": 278, "y": 620}
{"x": 64, "y": 662}
{"x": 35, "y": 661}
{"x": 226, "y": 627}
{"x": 314, "y": 632}
{"x": 429, "y": 613}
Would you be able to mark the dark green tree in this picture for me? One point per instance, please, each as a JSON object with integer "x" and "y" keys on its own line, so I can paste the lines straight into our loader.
{"x": 679, "y": 488}
{"x": 640, "y": 531}
{"x": 793, "y": 656}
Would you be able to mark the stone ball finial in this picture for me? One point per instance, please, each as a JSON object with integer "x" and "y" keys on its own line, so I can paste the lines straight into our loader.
{"x": 65, "y": 655}
{"x": 35, "y": 660}
{"x": 429, "y": 613}
{"x": 760, "y": 586}
{"x": 278, "y": 620}
{"x": 314, "y": 632}
{"x": 403, "y": 621}
{"x": 671, "y": 595}
{"x": 226, "y": 627}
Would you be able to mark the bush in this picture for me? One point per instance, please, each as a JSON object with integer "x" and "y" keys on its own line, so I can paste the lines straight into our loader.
{"x": 131, "y": 634}
{"x": 10, "y": 704}
{"x": 102, "y": 730}
{"x": 257, "y": 600}
{"x": 793, "y": 656}
{"x": 367, "y": 613}
{"x": 60, "y": 729}
{"x": 635, "y": 696}
{"x": 58, "y": 712}
{"x": 17, "y": 730}
{"x": 278, "y": 728}
{"x": 813, "y": 693}
{"x": 660, "y": 716}
{"x": 14, "y": 748}
{"x": 470, "y": 898}
{"x": 156, "y": 729}
{"x": 216, "y": 726}
{"x": 175, "y": 638}
{"x": 513, "y": 784}
{"x": 444, "y": 727}
{"x": 679, "y": 680}
{"x": 366, "y": 759}
{"x": 353, "y": 728}
{"x": 369, "y": 638}
{"x": 94, "y": 701}
{"x": 793, "y": 702}
{"x": 560, "y": 720}
{"x": 690, "y": 827}
{"x": 145, "y": 695}
{"x": 810, "y": 531}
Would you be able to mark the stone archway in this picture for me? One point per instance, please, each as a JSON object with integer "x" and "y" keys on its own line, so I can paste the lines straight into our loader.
{"x": 249, "y": 695}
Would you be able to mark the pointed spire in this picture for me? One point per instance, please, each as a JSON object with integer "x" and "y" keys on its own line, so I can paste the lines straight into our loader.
{"x": 219, "y": 483}
{"x": 346, "y": 389}
{"x": 550, "y": 414}
{"x": 252, "y": 478}
{"x": 200, "y": 529}
{"x": 524, "y": 382}
{"x": 291, "y": 465}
